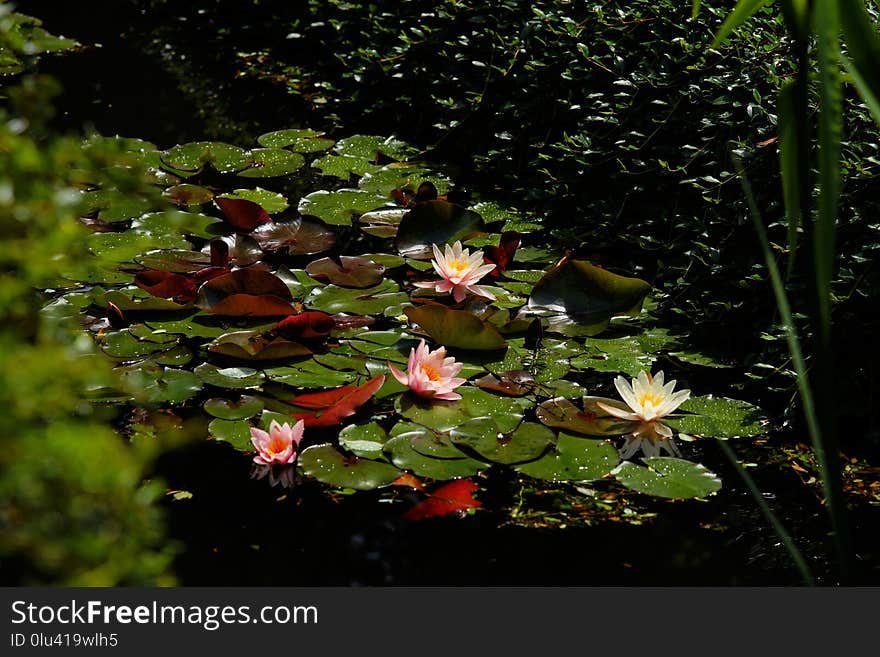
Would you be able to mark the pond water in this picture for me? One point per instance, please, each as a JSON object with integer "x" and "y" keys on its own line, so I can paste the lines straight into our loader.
{"x": 145, "y": 81}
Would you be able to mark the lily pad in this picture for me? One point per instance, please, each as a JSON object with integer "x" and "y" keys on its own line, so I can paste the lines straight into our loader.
{"x": 150, "y": 383}
{"x": 224, "y": 158}
{"x": 271, "y": 162}
{"x": 227, "y": 409}
{"x": 337, "y": 208}
{"x": 300, "y": 236}
{"x": 403, "y": 175}
{"x": 246, "y": 292}
{"x": 435, "y": 222}
{"x": 614, "y": 355}
{"x": 256, "y": 345}
{"x": 235, "y": 432}
{"x": 455, "y": 328}
{"x": 573, "y": 459}
{"x": 118, "y": 248}
{"x": 364, "y": 440}
{"x": 344, "y": 166}
{"x": 382, "y": 223}
{"x": 400, "y": 451}
{"x": 718, "y": 417}
{"x": 229, "y": 377}
{"x": 367, "y": 301}
{"x": 561, "y": 413}
{"x": 349, "y": 271}
{"x": 328, "y": 465}
{"x": 446, "y": 415}
{"x": 301, "y": 140}
{"x": 188, "y": 194}
{"x": 271, "y": 202}
{"x": 525, "y": 443}
{"x": 370, "y": 146}
{"x": 668, "y": 477}
{"x": 427, "y": 442}
{"x": 176, "y": 222}
{"x": 178, "y": 261}
{"x": 309, "y": 374}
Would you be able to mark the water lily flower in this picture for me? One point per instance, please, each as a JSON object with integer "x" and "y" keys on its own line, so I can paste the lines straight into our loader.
{"x": 279, "y": 445}
{"x": 649, "y": 400}
{"x": 430, "y": 374}
{"x": 460, "y": 270}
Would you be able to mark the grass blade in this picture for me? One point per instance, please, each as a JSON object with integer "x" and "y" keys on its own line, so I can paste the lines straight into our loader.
{"x": 792, "y": 161}
{"x": 863, "y": 49}
{"x": 743, "y": 11}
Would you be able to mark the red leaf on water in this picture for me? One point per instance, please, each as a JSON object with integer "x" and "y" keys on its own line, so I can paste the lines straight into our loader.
{"x": 450, "y": 498}
{"x": 244, "y": 215}
{"x": 502, "y": 255}
{"x": 334, "y": 405}
{"x": 167, "y": 285}
{"x": 409, "y": 481}
{"x": 246, "y": 292}
{"x": 310, "y": 324}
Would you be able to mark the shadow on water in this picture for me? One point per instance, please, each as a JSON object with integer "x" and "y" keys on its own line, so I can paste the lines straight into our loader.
{"x": 235, "y": 530}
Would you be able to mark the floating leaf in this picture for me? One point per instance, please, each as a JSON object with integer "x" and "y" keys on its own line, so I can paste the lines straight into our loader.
{"x": 271, "y": 202}
{"x": 502, "y": 255}
{"x": 204, "y": 325}
{"x": 614, "y": 355}
{"x": 178, "y": 261}
{"x": 370, "y": 146}
{"x": 328, "y": 465}
{"x": 428, "y": 442}
{"x": 257, "y": 345}
{"x": 235, "y": 432}
{"x": 668, "y": 477}
{"x": 301, "y": 140}
{"x": 435, "y": 222}
{"x": 573, "y": 459}
{"x": 382, "y": 223}
{"x": 401, "y": 453}
{"x": 308, "y": 325}
{"x": 132, "y": 299}
{"x": 177, "y": 222}
{"x": 592, "y": 421}
{"x": 525, "y": 443}
{"x": 224, "y": 158}
{"x": 309, "y": 374}
{"x": 589, "y": 295}
{"x": 187, "y": 194}
{"x": 271, "y": 162}
{"x": 149, "y": 383}
{"x": 455, "y": 328}
{"x": 454, "y": 497}
{"x": 445, "y": 415}
{"x": 403, "y": 176}
{"x": 300, "y": 236}
{"x": 364, "y": 440}
{"x": 343, "y": 166}
{"x": 118, "y": 248}
{"x": 367, "y": 301}
{"x": 350, "y": 271}
{"x": 247, "y": 292}
{"x": 229, "y": 377}
{"x": 337, "y": 208}
{"x": 718, "y": 417}
{"x": 226, "y": 409}
{"x": 332, "y": 406}
{"x": 244, "y": 215}
{"x": 239, "y": 251}
{"x": 515, "y": 383}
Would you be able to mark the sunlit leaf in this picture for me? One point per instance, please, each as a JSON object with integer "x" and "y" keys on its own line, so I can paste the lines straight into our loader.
{"x": 455, "y": 328}
{"x": 668, "y": 477}
{"x": 328, "y": 465}
{"x": 435, "y": 222}
{"x": 573, "y": 459}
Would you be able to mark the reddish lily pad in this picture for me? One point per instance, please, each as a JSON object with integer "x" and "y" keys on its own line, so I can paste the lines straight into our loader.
{"x": 515, "y": 383}
{"x": 502, "y": 255}
{"x": 350, "y": 271}
{"x": 246, "y": 292}
{"x": 454, "y": 497}
{"x": 244, "y": 215}
{"x": 300, "y": 236}
{"x": 307, "y": 325}
{"x": 332, "y": 406}
{"x": 256, "y": 345}
{"x": 592, "y": 421}
{"x": 455, "y": 328}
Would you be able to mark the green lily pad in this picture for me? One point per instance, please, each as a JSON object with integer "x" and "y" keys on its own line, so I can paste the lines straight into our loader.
{"x": 427, "y": 442}
{"x": 587, "y": 294}
{"x": 328, "y": 465}
{"x": 573, "y": 459}
{"x": 297, "y": 281}
{"x": 435, "y": 222}
{"x": 178, "y": 261}
{"x": 446, "y": 415}
{"x": 344, "y": 166}
{"x": 301, "y": 140}
{"x": 118, "y": 248}
{"x": 718, "y": 417}
{"x": 614, "y": 355}
{"x": 151, "y": 383}
{"x": 455, "y": 328}
{"x": 227, "y": 409}
{"x": 204, "y": 325}
{"x": 235, "y": 432}
{"x": 364, "y": 440}
{"x": 271, "y": 162}
{"x": 255, "y": 345}
{"x": 591, "y": 421}
{"x": 188, "y": 194}
{"x": 309, "y": 374}
{"x": 132, "y": 299}
{"x": 374, "y": 300}
{"x": 370, "y": 146}
{"x": 271, "y": 202}
{"x": 400, "y": 451}
{"x": 513, "y": 220}
{"x": 549, "y": 362}
{"x": 224, "y": 158}
{"x": 337, "y": 208}
{"x": 668, "y": 477}
{"x": 382, "y": 223}
{"x": 229, "y": 377}
{"x": 113, "y": 205}
{"x": 525, "y": 443}
{"x": 403, "y": 175}
{"x": 176, "y": 222}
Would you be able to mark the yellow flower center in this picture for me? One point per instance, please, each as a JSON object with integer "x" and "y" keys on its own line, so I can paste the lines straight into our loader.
{"x": 649, "y": 398}
{"x": 430, "y": 372}
{"x": 276, "y": 445}
{"x": 456, "y": 266}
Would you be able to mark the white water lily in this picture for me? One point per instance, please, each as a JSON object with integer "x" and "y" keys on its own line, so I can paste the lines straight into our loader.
{"x": 649, "y": 400}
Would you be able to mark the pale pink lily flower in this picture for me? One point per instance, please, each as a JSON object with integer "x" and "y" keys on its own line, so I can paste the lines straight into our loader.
{"x": 459, "y": 270}
{"x": 278, "y": 445}
{"x": 430, "y": 374}
{"x": 650, "y": 401}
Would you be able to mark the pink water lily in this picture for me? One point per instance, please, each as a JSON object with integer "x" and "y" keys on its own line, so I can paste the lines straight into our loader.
{"x": 649, "y": 400}
{"x": 278, "y": 446}
{"x": 430, "y": 374}
{"x": 459, "y": 270}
